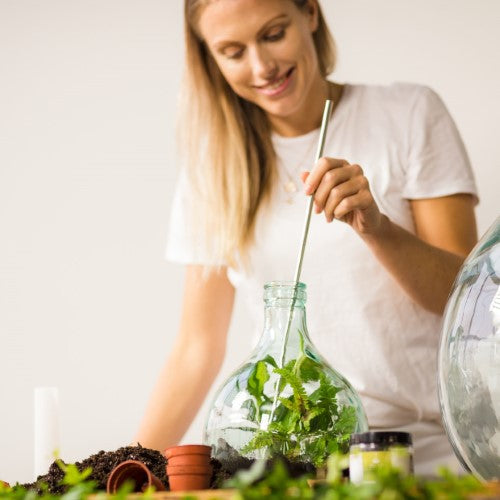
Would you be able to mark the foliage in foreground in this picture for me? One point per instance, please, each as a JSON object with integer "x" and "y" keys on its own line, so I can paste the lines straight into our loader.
{"x": 388, "y": 484}
{"x": 276, "y": 484}
{"x": 78, "y": 484}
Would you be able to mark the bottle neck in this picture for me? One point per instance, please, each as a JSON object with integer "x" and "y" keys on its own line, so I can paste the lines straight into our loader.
{"x": 280, "y": 313}
{"x": 285, "y": 334}
{"x": 277, "y": 320}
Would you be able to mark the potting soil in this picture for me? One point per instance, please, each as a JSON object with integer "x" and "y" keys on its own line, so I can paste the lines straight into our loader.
{"x": 102, "y": 463}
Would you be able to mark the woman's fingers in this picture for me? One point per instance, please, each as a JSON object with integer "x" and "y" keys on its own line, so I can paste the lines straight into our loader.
{"x": 359, "y": 201}
{"x": 323, "y": 166}
{"x": 346, "y": 197}
{"x": 304, "y": 175}
{"x": 342, "y": 192}
{"x": 337, "y": 182}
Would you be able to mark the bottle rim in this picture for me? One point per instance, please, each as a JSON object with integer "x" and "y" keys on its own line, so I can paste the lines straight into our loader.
{"x": 285, "y": 284}
{"x": 285, "y": 290}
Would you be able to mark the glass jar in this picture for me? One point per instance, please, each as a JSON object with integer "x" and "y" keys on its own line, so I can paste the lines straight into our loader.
{"x": 469, "y": 360}
{"x": 371, "y": 449}
{"x": 286, "y": 399}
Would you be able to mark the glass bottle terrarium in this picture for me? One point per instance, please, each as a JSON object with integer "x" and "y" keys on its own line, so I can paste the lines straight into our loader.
{"x": 285, "y": 400}
{"x": 469, "y": 360}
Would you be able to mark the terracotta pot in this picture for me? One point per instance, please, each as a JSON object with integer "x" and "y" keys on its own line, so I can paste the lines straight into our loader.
{"x": 132, "y": 470}
{"x": 189, "y": 477}
{"x": 188, "y": 454}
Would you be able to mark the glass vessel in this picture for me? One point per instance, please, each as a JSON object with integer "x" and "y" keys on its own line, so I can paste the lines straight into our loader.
{"x": 285, "y": 400}
{"x": 469, "y": 360}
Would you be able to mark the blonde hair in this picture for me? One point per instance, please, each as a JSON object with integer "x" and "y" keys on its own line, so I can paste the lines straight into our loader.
{"x": 227, "y": 143}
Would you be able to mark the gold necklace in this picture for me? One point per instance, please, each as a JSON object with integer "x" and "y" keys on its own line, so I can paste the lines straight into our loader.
{"x": 334, "y": 93}
{"x": 290, "y": 182}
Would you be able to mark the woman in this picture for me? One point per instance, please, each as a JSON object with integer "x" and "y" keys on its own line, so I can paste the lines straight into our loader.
{"x": 396, "y": 193}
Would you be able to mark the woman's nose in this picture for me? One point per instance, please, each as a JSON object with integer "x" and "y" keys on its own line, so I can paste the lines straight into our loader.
{"x": 263, "y": 64}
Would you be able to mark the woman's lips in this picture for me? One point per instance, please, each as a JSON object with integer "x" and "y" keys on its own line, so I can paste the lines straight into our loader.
{"x": 277, "y": 86}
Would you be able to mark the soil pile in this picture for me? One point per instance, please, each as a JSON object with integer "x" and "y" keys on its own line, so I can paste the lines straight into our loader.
{"x": 102, "y": 463}
{"x": 229, "y": 462}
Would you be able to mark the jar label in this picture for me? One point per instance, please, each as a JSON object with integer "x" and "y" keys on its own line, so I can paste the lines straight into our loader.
{"x": 363, "y": 463}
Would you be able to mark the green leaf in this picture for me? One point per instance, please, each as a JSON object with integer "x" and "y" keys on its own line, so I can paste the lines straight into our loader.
{"x": 270, "y": 361}
{"x": 307, "y": 369}
{"x": 72, "y": 476}
{"x": 257, "y": 379}
{"x": 289, "y": 405}
{"x": 261, "y": 439}
{"x": 299, "y": 393}
{"x": 327, "y": 392}
{"x": 310, "y": 416}
{"x": 333, "y": 446}
{"x": 250, "y": 405}
{"x": 346, "y": 422}
{"x": 316, "y": 450}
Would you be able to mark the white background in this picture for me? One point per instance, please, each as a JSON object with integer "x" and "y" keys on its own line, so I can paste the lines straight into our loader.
{"x": 87, "y": 168}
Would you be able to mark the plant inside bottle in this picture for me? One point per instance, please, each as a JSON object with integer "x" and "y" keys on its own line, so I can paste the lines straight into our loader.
{"x": 285, "y": 400}
{"x": 308, "y": 426}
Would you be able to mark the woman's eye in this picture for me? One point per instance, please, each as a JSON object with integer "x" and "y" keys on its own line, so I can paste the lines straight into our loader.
{"x": 275, "y": 35}
{"x": 233, "y": 53}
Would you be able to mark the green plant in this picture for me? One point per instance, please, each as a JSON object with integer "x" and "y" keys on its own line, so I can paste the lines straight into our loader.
{"x": 388, "y": 484}
{"x": 306, "y": 427}
{"x": 78, "y": 487}
{"x": 276, "y": 484}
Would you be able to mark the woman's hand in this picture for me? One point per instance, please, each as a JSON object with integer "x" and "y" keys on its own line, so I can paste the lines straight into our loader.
{"x": 424, "y": 264}
{"x": 342, "y": 192}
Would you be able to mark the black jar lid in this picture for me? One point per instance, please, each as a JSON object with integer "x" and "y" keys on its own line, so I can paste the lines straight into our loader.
{"x": 381, "y": 437}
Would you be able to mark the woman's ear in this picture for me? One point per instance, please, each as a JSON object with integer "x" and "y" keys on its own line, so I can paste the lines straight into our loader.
{"x": 312, "y": 12}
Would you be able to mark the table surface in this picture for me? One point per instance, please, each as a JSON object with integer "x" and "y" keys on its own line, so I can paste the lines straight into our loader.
{"x": 492, "y": 493}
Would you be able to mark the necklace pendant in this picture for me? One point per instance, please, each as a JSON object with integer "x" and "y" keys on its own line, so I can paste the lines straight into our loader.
{"x": 290, "y": 187}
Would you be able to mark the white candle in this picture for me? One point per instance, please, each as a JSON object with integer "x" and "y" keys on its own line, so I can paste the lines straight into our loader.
{"x": 46, "y": 415}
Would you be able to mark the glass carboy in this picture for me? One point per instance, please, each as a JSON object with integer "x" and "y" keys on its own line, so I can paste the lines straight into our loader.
{"x": 285, "y": 400}
{"x": 469, "y": 360}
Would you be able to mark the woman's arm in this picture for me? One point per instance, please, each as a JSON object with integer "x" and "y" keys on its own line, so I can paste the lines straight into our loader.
{"x": 194, "y": 361}
{"x": 425, "y": 264}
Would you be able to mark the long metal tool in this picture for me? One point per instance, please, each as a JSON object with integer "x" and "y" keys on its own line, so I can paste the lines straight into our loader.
{"x": 319, "y": 153}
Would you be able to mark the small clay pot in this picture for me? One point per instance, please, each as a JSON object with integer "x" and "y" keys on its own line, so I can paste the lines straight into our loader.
{"x": 132, "y": 470}
{"x": 188, "y": 454}
{"x": 189, "y": 477}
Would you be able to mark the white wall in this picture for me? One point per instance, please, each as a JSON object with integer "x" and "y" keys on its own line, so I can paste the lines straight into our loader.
{"x": 87, "y": 107}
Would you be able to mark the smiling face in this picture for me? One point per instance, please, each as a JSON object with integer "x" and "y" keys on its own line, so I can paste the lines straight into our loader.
{"x": 266, "y": 53}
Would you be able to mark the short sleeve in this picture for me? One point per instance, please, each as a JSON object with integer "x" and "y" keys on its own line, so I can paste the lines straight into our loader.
{"x": 186, "y": 236}
{"x": 438, "y": 164}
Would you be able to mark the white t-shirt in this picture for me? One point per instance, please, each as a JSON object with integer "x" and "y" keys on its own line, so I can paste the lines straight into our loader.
{"x": 358, "y": 317}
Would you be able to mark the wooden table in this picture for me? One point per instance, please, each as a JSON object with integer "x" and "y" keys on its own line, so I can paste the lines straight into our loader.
{"x": 492, "y": 493}
{"x": 226, "y": 494}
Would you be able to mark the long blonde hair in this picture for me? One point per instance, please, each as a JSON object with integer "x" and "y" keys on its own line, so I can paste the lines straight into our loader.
{"x": 227, "y": 144}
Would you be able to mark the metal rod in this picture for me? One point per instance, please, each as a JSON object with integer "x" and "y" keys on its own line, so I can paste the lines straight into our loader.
{"x": 319, "y": 153}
